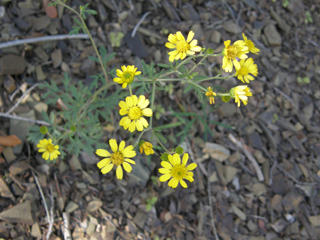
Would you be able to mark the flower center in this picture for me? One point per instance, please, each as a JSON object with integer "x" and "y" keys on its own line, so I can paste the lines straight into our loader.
{"x": 179, "y": 171}
{"x": 243, "y": 71}
{"x": 128, "y": 77}
{"x": 117, "y": 158}
{"x": 182, "y": 46}
{"x": 134, "y": 113}
{"x": 50, "y": 148}
{"x": 232, "y": 52}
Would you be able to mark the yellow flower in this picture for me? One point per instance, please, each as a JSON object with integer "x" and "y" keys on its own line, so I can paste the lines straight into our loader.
{"x": 252, "y": 48}
{"x": 247, "y": 67}
{"x": 118, "y": 157}
{"x": 176, "y": 170}
{"x": 126, "y": 76}
{"x": 136, "y": 110}
{"x": 242, "y": 93}
{"x": 231, "y": 53}
{"x": 147, "y": 147}
{"x": 210, "y": 95}
{"x": 49, "y": 150}
{"x": 181, "y": 46}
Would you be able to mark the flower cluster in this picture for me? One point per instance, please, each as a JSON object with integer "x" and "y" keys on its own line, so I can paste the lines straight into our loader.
{"x": 49, "y": 150}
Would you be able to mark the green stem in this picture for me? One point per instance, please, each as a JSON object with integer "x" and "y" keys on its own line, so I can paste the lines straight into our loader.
{"x": 89, "y": 34}
{"x": 217, "y": 77}
{"x": 197, "y": 64}
{"x": 152, "y": 100}
{"x": 223, "y": 94}
{"x": 160, "y": 143}
{"x": 139, "y": 137}
{"x": 197, "y": 85}
{"x": 130, "y": 89}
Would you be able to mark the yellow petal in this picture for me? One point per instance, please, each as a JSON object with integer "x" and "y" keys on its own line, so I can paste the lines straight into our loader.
{"x": 139, "y": 125}
{"x": 127, "y": 167}
{"x": 164, "y": 170}
{"x": 170, "y": 45}
{"x": 119, "y": 172}
{"x": 183, "y": 183}
{"x": 185, "y": 159}
{"x": 144, "y": 104}
{"x": 45, "y": 155}
{"x": 190, "y": 36}
{"x": 191, "y": 166}
{"x": 176, "y": 159}
{"x": 113, "y": 144}
{"x": 129, "y": 161}
{"x": 144, "y": 122}
{"x": 166, "y": 165}
{"x": 141, "y": 100}
{"x": 134, "y": 100}
{"x": 121, "y": 146}
{"x": 147, "y": 112}
{"x": 103, "y": 162}
{"x": 165, "y": 178}
{"x": 107, "y": 168}
{"x": 173, "y": 183}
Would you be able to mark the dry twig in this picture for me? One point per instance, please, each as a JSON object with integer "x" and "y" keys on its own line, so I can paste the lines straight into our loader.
{"x": 42, "y": 39}
{"x": 66, "y": 230}
{"x": 249, "y": 156}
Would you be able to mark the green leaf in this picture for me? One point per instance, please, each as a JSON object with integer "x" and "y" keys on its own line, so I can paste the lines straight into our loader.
{"x": 164, "y": 65}
{"x": 160, "y": 137}
{"x": 110, "y": 56}
{"x": 210, "y": 51}
{"x": 164, "y": 157}
{"x": 170, "y": 125}
{"x": 94, "y": 59}
{"x": 179, "y": 150}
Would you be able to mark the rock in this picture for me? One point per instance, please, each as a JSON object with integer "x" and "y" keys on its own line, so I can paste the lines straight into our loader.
{"x": 71, "y": 207}
{"x": 141, "y": 171}
{"x": 8, "y": 154}
{"x": 296, "y": 6}
{"x": 215, "y": 36}
{"x": 4, "y": 190}
{"x": 12, "y": 64}
{"x": 227, "y": 109}
{"x": 21, "y": 129}
{"x": 272, "y": 35}
{"x": 258, "y": 189}
{"x": 140, "y": 218}
{"x": 40, "y": 74}
{"x": 276, "y": 202}
{"x": 315, "y": 220}
{"x": 20, "y": 213}
{"x": 255, "y": 141}
{"x": 9, "y": 84}
{"x": 308, "y": 110}
{"x": 229, "y": 173}
{"x": 216, "y": 151}
{"x": 238, "y": 212}
{"x": 87, "y": 65}
{"x": 281, "y": 22}
{"x": 279, "y": 225}
{"x": 18, "y": 167}
{"x": 213, "y": 177}
{"x": 35, "y": 230}
{"x": 279, "y": 78}
{"x": 56, "y": 57}
{"x": 94, "y": 206}
{"x": 41, "y": 54}
{"x": 291, "y": 201}
{"x": 189, "y": 13}
{"x": 231, "y": 27}
{"x": 136, "y": 45}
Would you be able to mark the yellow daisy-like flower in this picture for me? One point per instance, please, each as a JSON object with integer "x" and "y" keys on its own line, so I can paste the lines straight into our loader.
{"x": 176, "y": 170}
{"x": 181, "y": 46}
{"x": 210, "y": 95}
{"x": 135, "y": 109}
{"x": 247, "y": 67}
{"x": 119, "y": 157}
{"x": 252, "y": 48}
{"x": 126, "y": 76}
{"x": 49, "y": 149}
{"x": 242, "y": 93}
{"x": 147, "y": 147}
{"x": 231, "y": 53}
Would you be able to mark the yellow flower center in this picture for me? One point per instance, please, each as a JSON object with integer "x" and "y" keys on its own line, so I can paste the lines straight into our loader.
{"x": 117, "y": 158}
{"x": 243, "y": 71}
{"x": 182, "y": 46}
{"x": 50, "y": 148}
{"x": 231, "y": 52}
{"x": 135, "y": 113}
{"x": 128, "y": 77}
{"x": 179, "y": 171}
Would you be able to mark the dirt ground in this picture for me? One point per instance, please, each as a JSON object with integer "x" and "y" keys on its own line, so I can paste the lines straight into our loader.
{"x": 258, "y": 169}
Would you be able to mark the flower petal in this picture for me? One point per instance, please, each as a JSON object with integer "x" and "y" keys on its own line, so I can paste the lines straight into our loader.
{"x": 185, "y": 159}
{"x": 183, "y": 183}
{"x": 190, "y": 36}
{"x": 121, "y": 146}
{"x": 166, "y": 165}
{"x": 127, "y": 167}
{"x": 113, "y": 144}
{"x": 103, "y": 162}
{"x": 107, "y": 168}
{"x": 191, "y": 166}
{"x": 165, "y": 178}
{"x": 119, "y": 172}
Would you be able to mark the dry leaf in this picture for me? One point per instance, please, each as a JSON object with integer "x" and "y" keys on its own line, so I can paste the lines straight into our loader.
{"x": 51, "y": 11}
{"x": 10, "y": 141}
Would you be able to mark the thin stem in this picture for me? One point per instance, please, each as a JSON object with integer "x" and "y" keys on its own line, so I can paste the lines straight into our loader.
{"x": 152, "y": 100}
{"x": 197, "y": 64}
{"x": 210, "y": 78}
{"x": 197, "y": 85}
{"x": 160, "y": 143}
{"x": 130, "y": 89}
{"x": 139, "y": 137}
{"x": 223, "y": 94}
{"x": 90, "y": 36}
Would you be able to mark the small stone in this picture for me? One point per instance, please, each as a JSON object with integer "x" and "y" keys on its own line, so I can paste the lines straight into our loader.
{"x": 258, "y": 155}
{"x": 4, "y": 190}
{"x": 231, "y": 27}
{"x": 291, "y": 201}
{"x": 252, "y": 226}
{"x": 315, "y": 220}
{"x": 189, "y": 13}
{"x": 87, "y": 65}
{"x": 8, "y": 154}
{"x": 40, "y": 74}
{"x": 71, "y": 207}
{"x": 227, "y": 109}
{"x": 229, "y": 173}
{"x": 41, "y": 54}
{"x": 216, "y": 151}
{"x": 12, "y": 64}
{"x": 215, "y": 36}
{"x": 279, "y": 78}
{"x": 258, "y": 189}
{"x": 279, "y": 225}
{"x": 238, "y": 212}
{"x": 140, "y": 218}
{"x": 35, "y": 230}
{"x": 9, "y": 84}
{"x": 56, "y": 57}
{"x": 272, "y": 35}
{"x": 276, "y": 202}
{"x": 20, "y": 213}
{"x": 213, "y": 177}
